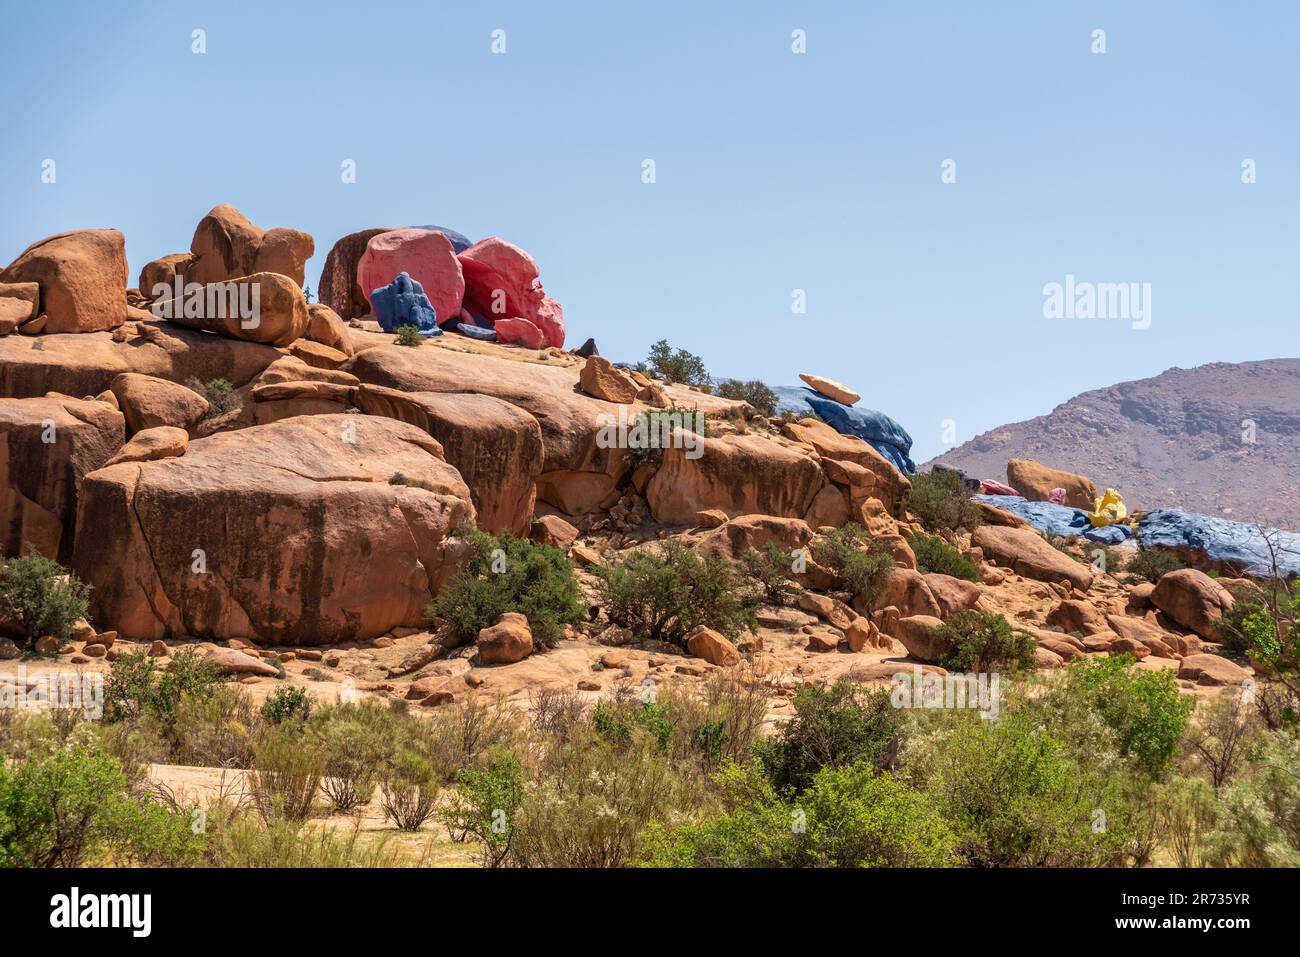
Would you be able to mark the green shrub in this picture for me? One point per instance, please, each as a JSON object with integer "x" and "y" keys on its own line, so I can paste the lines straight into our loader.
{"x": 649, "y": 432}
{"x": 1017, "y": 795}
{"x": 287, "y": 770}
{"x": 676, "y": 365}
{"x": 408, "y": 335}
{"x": 36, "y": 599}
{"x": 1150, "y": 564}
{"x": 864, "y": 572}
{"x": 485, "y": 804}
{"x": 1258, "y": 821}
{"x": 772, "y": 571}
{"x": 984, "y": 641}
{"x": 615, "y": 721}
{"x": 1145, "y": 709}
{"x": 940, "y": 500}
{"x": 832, "y": 727}
{"x": 848, "y": 817}
{"x": 71, "y": 807}
{"x": 933, "y": 554}
{"x": 216, "y": 728}
{"x": 357, "y": 742}
{"x": 593, "y": 801}
{"x": 219, "y": 393}
{"x": 409, "y": 790}
{"x": 511, "y": 574}
{"x": 137, "y": 689}
{"x": 756, "y": 393}
{"x": 289, "y": 703}
{"x": 664, "y": 595}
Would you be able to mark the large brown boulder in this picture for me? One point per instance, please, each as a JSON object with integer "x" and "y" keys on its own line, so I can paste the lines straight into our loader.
{"x": 917, "y": 633}
{"x": 325, "y": 326}
{"x": 1035, "y": 482}
{"x": 163, "y": 272}
{"x": 338, "y": 287}
{"x": 148, "y": 402}
{"x": 290, "y": 533}
{"x": 599, "y": 378}
{"x": 279, "y": 317}
{"x": 1082, "y": 617}
{"x": 906, "y": 589}
{"x": 704, "y": 642}
{"x": 496, "y": 447}
{"x": 1027, "y": 553}
{"x": 82, "y": 276}
{"x": 1193, "y": 599}
{"x": 18, "y": 304}
{"x": 875, "y": 476}
{"x": 739, "y": 474}
{"x": 1211, "y": 670}
{"x": 40, "y": 480}
{"x": 734, "y": 538}
{"x": 506, "y": 642}
{"x": 226, "y": 246}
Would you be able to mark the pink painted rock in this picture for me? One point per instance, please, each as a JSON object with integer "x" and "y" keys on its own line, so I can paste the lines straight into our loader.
{"x": 519, "y": 332}
{"x": 501, "y": 283}
{"x": 423, "y": 254}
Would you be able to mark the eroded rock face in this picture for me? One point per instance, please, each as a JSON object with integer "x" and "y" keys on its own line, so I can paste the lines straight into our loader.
{"x": 82, "y": 278}
{"x": 496, "y": 447}
{"x": 338, "y": 286}
{"x": 40, "y": 480}
{"x": 1027, "y": 553}
{"x": 739, "y": 474}
{"x": 300, "y": 537}
{"x": 1193, "y": 599}
{"x": 1035, "y": 482}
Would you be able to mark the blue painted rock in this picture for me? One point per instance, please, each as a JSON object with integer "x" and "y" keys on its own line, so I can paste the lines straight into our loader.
{"x": 403, "y": 303}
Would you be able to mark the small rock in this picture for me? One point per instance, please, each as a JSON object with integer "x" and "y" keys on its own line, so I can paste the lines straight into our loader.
{"x": 94, "y": 651}
{"x": 159, "y": 649}
{"x": 47, "y": 645}
{"x": 706, "y": 643}
{"x": 587, "y": 685}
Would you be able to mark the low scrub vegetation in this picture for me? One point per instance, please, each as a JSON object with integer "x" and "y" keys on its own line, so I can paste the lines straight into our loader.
{"x": 984, "y": 641}
{"x": 860, "y": 566}
{"x": 933, "y": 554}
{"x": 942, "y": 502}
{"x": 38, "y": 597}
{"x": 758, "y": 394}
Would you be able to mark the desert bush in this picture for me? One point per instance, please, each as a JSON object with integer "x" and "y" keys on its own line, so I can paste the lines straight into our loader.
{"x": 615, "y": 721}
{"x": 933, "y": 554}
{"x": 1185, "y": 814}
{"x": 484, "y": 806}
{"x": 510, "y": 574}
{"x": 39, "y": 597}
{"x": 238, "y": 837}
{"x": 290, "y": 703}
{"x": 71, "y": 807}
{"x": 1258, "y": 821}
{"x": 722, "y": 720}
{"x": 831, "y": 727}
{"x": 756, "y": 393}
{"x": 1223, "y": 736}
{"x": 663, "y": 595}
{"x": 849, "y": 816}
{"x": 772, "y": 572}
{"x": 863, "y": 571}
{"x": 408, "y": 791}
{"x": 1017, "y": 795}
{"x": 1151, "y": 564}
{"x": 676, "y": 365}
{"x": 219, "y": 393}
{"x": 592, "y": 801}
{"x": 357, "y": 742}
{"x": 460, "y": 734}
{"x": 1144, "y": 709}
{"x": 984, "y": 641}
{"x": 556, "y": 712}
{"x": 216, "y": 728}
{"x": 408, "y": 335}
{"x": 649, "y": 432}
{"x": 287, "y": 770}
{"x": 137, "y": 689}
{"x": 942, "y": 502}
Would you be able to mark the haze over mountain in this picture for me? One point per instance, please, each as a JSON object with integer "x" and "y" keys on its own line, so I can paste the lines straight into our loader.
{"x": 1223, "y": 439}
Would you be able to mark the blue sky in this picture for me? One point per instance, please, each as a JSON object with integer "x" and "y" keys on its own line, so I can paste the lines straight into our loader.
{"x": 775, "y": 171}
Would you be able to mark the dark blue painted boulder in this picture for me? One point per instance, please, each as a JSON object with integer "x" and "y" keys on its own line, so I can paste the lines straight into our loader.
{"x": 403, "y": 303}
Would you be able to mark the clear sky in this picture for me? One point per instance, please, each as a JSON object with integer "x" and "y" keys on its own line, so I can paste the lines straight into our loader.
{"x": 775, "y": 171}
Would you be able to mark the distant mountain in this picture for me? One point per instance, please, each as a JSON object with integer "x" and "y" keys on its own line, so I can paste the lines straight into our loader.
{"x": 1223, "y": 439}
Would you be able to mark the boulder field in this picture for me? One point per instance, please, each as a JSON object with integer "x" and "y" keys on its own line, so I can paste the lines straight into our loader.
{"x": 306, "y": 481}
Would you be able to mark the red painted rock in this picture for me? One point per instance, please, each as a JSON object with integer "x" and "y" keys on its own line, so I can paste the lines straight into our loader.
{"x": 519, "y": 332}
{"x": 426, "y": 256}
{"x": 501, "y": 283}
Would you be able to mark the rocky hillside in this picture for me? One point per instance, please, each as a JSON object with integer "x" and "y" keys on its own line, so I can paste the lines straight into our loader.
{"x": 1182, "y": 438}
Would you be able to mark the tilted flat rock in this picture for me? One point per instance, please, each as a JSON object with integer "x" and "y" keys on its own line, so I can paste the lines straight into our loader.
{"x": 160, "y": 442}
{"x": 1027, "y": 553}
{"x": 148, "y": 402}
{"x": 40, "y": 481}
{"x": 302, "y": 539}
